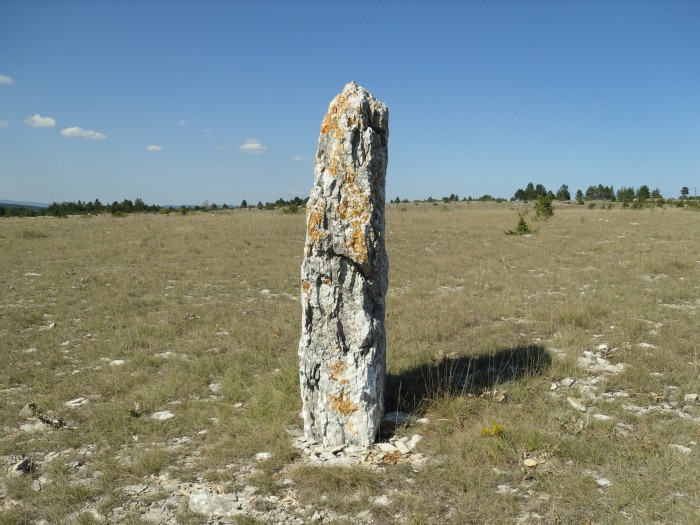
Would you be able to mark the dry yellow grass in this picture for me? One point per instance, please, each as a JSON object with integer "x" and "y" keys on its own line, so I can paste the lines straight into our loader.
{"x": 203, "y": 311}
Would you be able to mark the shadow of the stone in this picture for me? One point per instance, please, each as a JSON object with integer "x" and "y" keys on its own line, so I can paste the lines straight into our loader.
{"x": 408, "y": 391}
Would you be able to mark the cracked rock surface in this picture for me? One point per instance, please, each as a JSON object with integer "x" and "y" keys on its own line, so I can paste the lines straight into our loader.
{"x": 344, "y": 275}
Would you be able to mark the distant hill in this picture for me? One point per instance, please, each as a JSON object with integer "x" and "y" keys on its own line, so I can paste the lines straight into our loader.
{"x": 36, "y": 206}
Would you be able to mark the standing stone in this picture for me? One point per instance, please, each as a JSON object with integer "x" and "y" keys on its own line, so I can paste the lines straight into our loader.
{"x": 344, "y": 275}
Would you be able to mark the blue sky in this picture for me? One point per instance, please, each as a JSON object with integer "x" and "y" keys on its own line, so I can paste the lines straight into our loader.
{"x": 181, "y": 102}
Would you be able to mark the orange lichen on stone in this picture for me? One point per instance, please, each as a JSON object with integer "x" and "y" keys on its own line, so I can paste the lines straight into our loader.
{"x": 342, "y": 405}
{"x": 355, "y": 208}
{"x": 314, "y": 225}
{"x": 326, "y": 280}
{"x": 333, "y": 168}
{"x": 330, "y": 122}
{"x": 306, "y": 288}
{"x": 358, "y": 244}
{"x": 337, "y": 370}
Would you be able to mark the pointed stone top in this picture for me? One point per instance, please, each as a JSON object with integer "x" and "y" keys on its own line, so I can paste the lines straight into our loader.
{"x": 355, "y": 105}
{"x": 352, "y": 87}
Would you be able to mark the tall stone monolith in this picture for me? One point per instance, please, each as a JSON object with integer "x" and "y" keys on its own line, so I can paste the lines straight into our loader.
{"x": 344, "y": 275}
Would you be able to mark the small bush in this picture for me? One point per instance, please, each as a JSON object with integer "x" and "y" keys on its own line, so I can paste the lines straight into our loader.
{"x": 543, "y": 208}
{"x": 521, "y": 229}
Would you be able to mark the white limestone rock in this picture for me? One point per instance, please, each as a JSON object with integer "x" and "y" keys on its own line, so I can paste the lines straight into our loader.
{"x": 344, "y": 275}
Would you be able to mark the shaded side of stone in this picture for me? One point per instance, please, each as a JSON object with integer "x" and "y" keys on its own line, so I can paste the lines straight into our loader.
{"x": 344, "y": 275}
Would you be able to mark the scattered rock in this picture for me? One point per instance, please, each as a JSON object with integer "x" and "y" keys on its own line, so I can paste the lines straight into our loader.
{"x": 690, "y": 398}
{"x": 29, "y": 410}
{"x": 680, "y": 448}
{"x": 116, "y": 362}
{"x": 575, "y": 403}
{"x": 263, "y": 456}
{"x": 402, "y": 447}
{"x": 530, "y": 463}
{"x": 415, "y": 439}
{"x": 33, "y": 426}
{"x": 603, "y": 482}
{"x": 204, "y": 502}
{"x": 382, "y": 501}
{"x": 386, "y": 447}
{"x": 135, "y": 489}
{"x": 77, "y": 402}
{"x": 162, "y": 415}
{"x": 567, "y": 382}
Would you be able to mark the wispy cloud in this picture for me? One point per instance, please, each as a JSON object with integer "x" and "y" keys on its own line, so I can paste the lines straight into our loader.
{"x": 37, "y": 121}
{"x": 4, "y": 79}
{"x": 206, "y": 130}
{"x": 223, "y": 148}
{"x": 182, "y": 123}
{"x": 153, "y": 147}
{"x": 252, "y": 147}
{"x": 82, "y": 133}
{"x": 298, "y": 159}
{"x": 4, "y": 123}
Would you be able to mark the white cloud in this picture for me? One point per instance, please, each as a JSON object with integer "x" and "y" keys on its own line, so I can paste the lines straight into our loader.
{"x": 4, "y": 79}
{"x": 4, "y": 123}
{"x": 153, "y": 147}
{"x": 298, "y": 159}
{"x": 37, "y": 121}
{"x": 82, "y": 133}
{"x": 206, "y": 130}
{"x": 182, "y": 123}
{"x": 252, "y": 147}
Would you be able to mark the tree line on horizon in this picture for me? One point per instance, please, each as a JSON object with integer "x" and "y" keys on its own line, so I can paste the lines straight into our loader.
{"x": 531, "y": 192}
{"x": 596, "y": 193}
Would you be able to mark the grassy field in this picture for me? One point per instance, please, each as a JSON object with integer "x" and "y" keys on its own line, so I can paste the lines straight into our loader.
{"x": 199, "y": 315}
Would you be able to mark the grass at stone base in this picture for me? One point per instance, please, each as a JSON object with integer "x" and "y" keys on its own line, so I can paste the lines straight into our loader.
{"x": 191, "y": 301}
